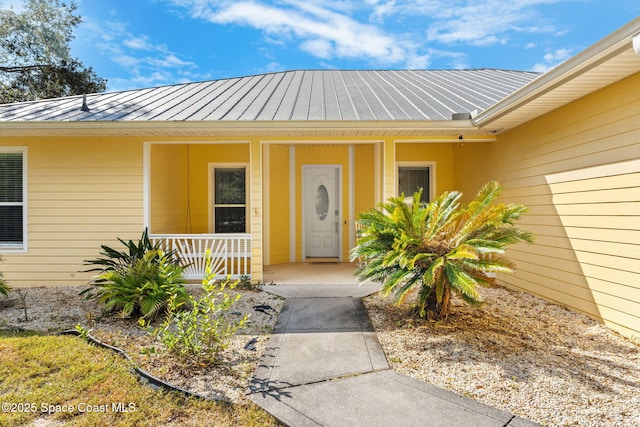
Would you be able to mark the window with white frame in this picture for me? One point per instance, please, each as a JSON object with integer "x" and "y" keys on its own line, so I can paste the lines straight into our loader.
{"x": 412, "y": 177}
{"x": 230, "y": 190}
{"x": 12, "y": 199}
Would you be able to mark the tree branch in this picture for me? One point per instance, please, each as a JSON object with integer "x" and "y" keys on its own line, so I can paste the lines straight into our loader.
{"x": 22, "y": 68}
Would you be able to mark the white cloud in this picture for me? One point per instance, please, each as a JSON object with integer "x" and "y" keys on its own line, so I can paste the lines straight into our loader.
{"x": 321, "y": 31}
{"x": 148, "y": 63}
{"x": 273, "y": 67}
{"x": 483, "y": 23}
{"x": 319, "y": 48}
{"x": 322, "y": 28}
{"x": 140, "y": 42}
{"x": 359, "y": 30}
{"x": 381, "y": 9}
{"x": 552, "y": 59}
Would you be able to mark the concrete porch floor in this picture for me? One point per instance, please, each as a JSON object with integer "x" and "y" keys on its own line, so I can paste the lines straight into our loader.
{"x": 311, "y": 273}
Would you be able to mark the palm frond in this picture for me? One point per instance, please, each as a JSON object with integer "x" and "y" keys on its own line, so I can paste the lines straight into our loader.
{"x": 463, "y": 283}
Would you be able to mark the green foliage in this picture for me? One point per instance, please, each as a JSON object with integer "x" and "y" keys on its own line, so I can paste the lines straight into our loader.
{"x": 35, "y": 53}
{"x": 4, "y": 287}
{"x": 439, "y": 247}
{"x": 113, "y": 259}
{"x": 84, "y": 332}
{"x": 141, "y": 279}
{"x": 144, "y": 288}
{"x": 203, "y": 331}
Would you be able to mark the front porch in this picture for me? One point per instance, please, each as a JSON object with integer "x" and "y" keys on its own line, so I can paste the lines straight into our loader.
{"x": 310, "y": 273}
{"x": 257, "y": 205}
{"x": 231, "y": 256}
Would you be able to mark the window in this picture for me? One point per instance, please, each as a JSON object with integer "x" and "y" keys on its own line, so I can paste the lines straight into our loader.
{"x": 12, "y": 199}
{"x": 413, "y": 177}
{"x": 229, "y": 199}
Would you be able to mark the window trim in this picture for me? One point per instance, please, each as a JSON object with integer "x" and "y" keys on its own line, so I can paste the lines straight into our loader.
{"x": 422, "y": 164}
{"x": 212, "y": 206}
{"x": 23, "y": 247}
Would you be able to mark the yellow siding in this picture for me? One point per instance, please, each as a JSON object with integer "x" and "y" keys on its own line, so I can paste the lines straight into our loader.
{"x": 279, "y": 204}
{"x": 176, "y": 167}
{"x": 440, "y": 154}
{"x": 364, "y": 178}
{"x": 577, "y": 170}
{"x": 82, "y": 192}
{"x": 169, "y": 183}
{"x": 388, "y": 169}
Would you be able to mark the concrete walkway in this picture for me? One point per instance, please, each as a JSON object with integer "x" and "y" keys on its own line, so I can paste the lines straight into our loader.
{"x": 324, "y": 366}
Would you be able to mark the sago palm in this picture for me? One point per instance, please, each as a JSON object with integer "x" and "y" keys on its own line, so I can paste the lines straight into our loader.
{"x": 438, "y": 248}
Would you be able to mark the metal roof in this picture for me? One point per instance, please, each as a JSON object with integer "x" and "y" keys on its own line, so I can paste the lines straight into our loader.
{"x": 302, "y": 95}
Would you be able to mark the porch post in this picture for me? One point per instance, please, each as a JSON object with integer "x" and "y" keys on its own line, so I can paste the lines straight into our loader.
{"x": 255, "y": 159}
{"x": 388, "y": 169}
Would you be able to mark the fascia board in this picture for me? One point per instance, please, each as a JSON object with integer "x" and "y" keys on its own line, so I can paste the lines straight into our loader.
{"x": 167, "y": 127}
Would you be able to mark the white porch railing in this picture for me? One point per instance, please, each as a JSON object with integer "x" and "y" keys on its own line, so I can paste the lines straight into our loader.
{"x": 230, "y": 253}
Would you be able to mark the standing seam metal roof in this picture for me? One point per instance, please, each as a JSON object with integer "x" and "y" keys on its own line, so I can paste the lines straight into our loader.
{"x": 334, "y": 95}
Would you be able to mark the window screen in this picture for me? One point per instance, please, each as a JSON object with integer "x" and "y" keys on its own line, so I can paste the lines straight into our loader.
{"x": 11, "y": 199}
{"x": 412, "y": 178}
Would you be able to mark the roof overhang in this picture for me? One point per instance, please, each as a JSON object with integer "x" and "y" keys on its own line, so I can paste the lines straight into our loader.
{"x": 373, "y": 129}
{"x": 608, "y": 61}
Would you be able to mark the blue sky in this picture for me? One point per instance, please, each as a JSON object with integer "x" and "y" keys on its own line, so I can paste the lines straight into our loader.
{"x": 144, "y": 43}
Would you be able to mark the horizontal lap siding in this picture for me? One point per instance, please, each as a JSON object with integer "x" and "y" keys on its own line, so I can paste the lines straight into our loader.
{"x": 577, "y": 169}
{"x": 82, "y": 193}
{"x": 278, "y": 170}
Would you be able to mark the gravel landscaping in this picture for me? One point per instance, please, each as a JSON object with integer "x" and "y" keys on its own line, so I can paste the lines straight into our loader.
{"x": 520, "y": 354}
{"x": 517, "y": 352}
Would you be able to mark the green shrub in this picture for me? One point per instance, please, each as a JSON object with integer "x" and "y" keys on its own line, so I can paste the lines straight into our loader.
{"x": 439, "y": 247}
{"x": 201, "y": 332}
{"x": 139, "y": 280}
{"x": 144, "y": 288}
{"x": 4, "y": 287}
{"x": 113, "y": 259}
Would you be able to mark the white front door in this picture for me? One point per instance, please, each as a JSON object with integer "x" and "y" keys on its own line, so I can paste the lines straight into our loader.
{"x": 321, "y": 210}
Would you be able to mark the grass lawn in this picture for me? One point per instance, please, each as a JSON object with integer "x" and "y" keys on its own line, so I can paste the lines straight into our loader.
{"x": 62, "y": 380}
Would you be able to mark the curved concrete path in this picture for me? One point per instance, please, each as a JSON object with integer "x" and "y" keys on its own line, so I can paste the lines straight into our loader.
{"x": 324, "y": 366}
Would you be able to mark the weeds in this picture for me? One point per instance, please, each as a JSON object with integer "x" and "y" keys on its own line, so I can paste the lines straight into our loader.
{"x": 203, "y": 331}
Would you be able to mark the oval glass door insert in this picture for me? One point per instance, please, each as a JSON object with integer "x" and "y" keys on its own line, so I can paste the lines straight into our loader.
{"x": 322, "y": 202}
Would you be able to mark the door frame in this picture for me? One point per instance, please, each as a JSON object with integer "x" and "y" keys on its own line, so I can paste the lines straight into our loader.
{"x": 339, "y": 190}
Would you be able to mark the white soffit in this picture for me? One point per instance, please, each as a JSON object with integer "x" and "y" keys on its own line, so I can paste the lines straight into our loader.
{"x": 608, "y": 61}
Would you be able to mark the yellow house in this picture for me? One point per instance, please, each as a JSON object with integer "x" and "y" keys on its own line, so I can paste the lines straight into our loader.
{"x": 274, "y": 168}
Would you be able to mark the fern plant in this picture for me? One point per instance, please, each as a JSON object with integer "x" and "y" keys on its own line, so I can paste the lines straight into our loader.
{"x": 438, "y": 248}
